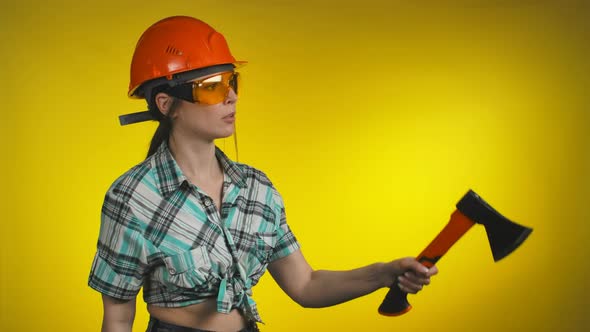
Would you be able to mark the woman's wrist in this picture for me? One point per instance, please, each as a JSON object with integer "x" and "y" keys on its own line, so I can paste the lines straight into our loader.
{"x": 387, "y": 274}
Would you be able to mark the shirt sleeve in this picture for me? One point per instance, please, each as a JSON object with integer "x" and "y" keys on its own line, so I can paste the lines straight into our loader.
{"x": 120, "y": 260}
{"x": 286, "y": 243}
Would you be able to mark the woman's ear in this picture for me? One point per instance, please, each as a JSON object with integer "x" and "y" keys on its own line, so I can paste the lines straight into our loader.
{"x": 164, "y": 103}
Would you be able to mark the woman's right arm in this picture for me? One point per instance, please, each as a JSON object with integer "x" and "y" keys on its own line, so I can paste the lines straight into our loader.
{"x": 118, "y": 315}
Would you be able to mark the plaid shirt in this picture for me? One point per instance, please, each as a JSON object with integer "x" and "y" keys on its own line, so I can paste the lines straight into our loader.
{"x": 161, "y": 232}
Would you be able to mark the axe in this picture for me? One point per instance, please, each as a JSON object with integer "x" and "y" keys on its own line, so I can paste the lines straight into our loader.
{"x": 504, "y": 237}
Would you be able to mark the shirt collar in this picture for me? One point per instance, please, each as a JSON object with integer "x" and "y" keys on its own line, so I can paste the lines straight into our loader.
{"x": 169, "y": 176}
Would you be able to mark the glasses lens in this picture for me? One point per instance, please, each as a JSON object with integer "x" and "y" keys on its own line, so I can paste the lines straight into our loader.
{"x": 214, "y": 89}
{"x": 233, "y": 81}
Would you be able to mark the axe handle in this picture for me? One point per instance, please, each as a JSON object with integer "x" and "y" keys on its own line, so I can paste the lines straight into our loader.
{"x": 395, "y": 302}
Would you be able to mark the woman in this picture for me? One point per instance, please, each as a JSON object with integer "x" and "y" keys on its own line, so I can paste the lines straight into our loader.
{"x": 193, "y": 228}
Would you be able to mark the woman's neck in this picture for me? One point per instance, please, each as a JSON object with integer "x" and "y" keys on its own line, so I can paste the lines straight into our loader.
{"x": 196, "y": 158}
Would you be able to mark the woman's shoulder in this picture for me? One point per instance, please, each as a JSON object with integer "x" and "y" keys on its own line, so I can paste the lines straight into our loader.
{"x": 126, "y": 185}
{"x": 243, "y": 172}
{"x": 259, "y": 181}
{"x": 253, "y": 174}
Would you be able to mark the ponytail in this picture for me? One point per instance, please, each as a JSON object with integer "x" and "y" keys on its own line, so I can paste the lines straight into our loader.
{"x": 165, "y": 127}
{"x": 162, "y": 134}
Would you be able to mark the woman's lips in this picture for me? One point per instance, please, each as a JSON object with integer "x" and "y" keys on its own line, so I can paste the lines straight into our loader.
{"x": 230, "y": 118}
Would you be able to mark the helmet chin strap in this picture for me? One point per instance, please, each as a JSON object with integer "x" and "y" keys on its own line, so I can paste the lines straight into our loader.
{"x": 146, "y": 89}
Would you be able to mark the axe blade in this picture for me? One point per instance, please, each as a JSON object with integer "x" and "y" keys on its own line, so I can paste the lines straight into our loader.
{"x": 504, "y": 235}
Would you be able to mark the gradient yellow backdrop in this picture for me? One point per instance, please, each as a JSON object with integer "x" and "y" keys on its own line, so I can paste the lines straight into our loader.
{"x": 371, "y": 117}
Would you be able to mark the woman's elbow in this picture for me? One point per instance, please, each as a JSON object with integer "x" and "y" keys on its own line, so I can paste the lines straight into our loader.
{"x": 308, "y": 302}
{"x": 118, "y": 314}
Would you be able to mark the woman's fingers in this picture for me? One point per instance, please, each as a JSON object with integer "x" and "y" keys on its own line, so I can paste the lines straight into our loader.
{"x": 410, "y": 285}
{"x": 411, "y": 276}
{"x": 417, "y": 278}
{"x": 414, "y": 280}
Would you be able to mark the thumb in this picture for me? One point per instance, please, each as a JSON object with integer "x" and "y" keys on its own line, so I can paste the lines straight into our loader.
{"x": 418, "y": 268}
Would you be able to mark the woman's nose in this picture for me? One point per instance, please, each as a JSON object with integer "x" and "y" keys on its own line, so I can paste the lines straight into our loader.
{"x": 231, "y": 98}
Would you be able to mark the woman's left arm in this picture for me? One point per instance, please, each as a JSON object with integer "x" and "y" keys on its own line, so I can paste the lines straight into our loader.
{"x": 320, "y": 288}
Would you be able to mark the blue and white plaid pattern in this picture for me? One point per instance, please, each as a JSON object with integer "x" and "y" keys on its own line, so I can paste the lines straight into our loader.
{"x": 163, "y": 233}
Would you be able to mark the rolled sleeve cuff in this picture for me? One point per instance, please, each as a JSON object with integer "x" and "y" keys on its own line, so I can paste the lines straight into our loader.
{"x": 106, "y": 281}
{"x": 286, "y": 245}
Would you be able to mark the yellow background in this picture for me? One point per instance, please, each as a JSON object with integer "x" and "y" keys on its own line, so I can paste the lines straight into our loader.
{"x": 371, "y": 117}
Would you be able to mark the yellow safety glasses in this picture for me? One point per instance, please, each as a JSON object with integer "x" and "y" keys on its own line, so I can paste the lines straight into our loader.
{"x": 209, "y": 90}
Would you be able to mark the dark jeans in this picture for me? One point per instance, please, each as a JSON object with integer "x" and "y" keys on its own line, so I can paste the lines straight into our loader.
{"x": 156, "y": 325}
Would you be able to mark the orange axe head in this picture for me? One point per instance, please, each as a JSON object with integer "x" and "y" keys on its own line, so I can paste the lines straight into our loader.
{"x": 504, "y": 237}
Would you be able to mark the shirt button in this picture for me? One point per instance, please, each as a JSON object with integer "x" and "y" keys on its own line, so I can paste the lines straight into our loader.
{"x": 207, "y": 202}
{"x": 172, "y": 271}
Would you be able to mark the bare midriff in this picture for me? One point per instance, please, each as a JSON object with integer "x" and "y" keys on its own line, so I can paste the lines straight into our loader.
{"x": 203, "y": 316}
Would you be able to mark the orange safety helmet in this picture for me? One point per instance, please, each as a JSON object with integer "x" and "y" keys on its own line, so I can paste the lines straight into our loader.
{"x": 175, "y": 45}
{"x": 172, "y": 51}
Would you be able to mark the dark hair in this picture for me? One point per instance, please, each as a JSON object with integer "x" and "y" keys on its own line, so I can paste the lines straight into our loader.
{"x": 165, "y": 127}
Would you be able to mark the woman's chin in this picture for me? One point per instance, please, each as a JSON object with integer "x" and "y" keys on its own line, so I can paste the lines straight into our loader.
{"x": 225, "y": 134}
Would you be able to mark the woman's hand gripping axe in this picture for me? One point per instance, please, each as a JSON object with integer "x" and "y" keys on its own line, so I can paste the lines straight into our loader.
{"x": 504, "y": 237}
